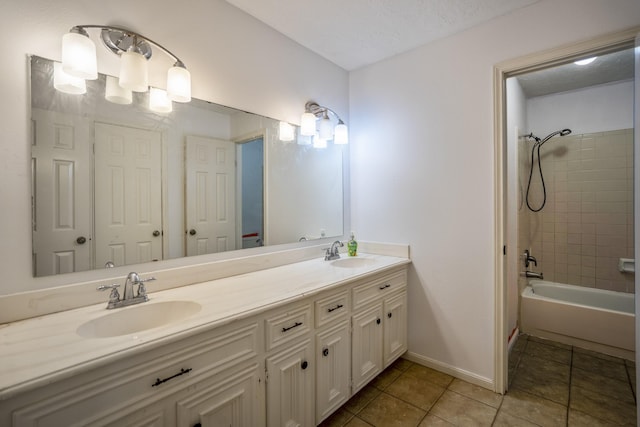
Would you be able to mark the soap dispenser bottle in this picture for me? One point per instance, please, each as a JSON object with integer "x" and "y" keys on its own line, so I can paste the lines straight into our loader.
{"x": 352, "y": 246}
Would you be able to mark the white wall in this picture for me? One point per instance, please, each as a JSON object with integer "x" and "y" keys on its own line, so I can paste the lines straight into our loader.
{"x": 595, "y": 109}
{"x": 234, "y": 60}
{"x": 422, "y": 168}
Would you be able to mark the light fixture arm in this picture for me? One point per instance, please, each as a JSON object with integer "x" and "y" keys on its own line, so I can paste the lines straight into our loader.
{"x": 319, "y": 111}
{"x": 109, "y": 32}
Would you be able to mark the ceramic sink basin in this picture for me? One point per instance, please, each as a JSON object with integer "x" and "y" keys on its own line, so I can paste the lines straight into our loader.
{"x": 136, "y": 318}
{"x": 352, "y": 262}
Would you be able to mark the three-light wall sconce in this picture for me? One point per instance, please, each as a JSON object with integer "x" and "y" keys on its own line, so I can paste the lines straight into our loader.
{"x": 316, "y": 123}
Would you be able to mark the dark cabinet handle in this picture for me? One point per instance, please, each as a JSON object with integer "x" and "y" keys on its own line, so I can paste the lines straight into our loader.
{"x": 159, "y": 381}
{"x": 385, "y": 286}
{"x": 156, "y": 233}
{"x": 192, "y": 232}
{"x": 378, "y": 321}
{"x": 389, "y": 315}
{"x": 295, "y": 325}
{"x": 329, "y": 310}
{"x": 81, "y": 240}
{"x": 304, "y": 365}
{"x": 325, "y": 352}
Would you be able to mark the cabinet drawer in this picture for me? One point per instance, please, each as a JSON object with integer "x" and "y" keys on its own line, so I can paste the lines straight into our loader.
{"x": 377, "y": 288}
{"x": 333, "y": 307}
{"x": 285, "y": 325}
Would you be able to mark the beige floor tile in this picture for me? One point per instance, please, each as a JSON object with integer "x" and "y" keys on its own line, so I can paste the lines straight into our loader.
{"x": 338, "y": 419}
{"x": 534, "y": 408}
{"x": 549, "y": 342}
{"x": 429, "y": 374}
{"x": 521, "y": 343}
{"x": 538, "y": 368}
{"x": 602, "y": 356}
{"x": 504, "y": 419}
{"x": 433, "y": 421}
{"x": 475, "y": 392}
{"x": 417, "y": 391}
{"x": 387, "y": 376}
{"x": 602, "y": 406}
{"x": 608, "y": 368}
{"x": 402, "y": 364}
{"x": 388, "y": 411}
{"x": 543, "y": 386}
{"x": 461, "y": 410}
{"x": 357, "y": 422}
{"x": 361, "y": 399}
{"x": 549, "y": 352}
{"x": 580, "y": 419}
{"x": 620, "y": 390}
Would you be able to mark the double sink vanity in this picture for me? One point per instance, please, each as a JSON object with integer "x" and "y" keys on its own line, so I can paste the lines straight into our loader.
{"x": 285, "y": 345}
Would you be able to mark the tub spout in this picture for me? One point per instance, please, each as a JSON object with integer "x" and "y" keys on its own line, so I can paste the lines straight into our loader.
{"x": 533, "y": 274}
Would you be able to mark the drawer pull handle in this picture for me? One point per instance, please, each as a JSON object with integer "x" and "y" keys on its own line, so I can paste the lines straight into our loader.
{"x": 325, "y": 352}
{"x": 304, "y": 365}
{"x": 182, "y": 372}
{"x": 378, "y": 321}
{"x": 329, "y": 310}
{"x": 385, "y": 286}
{"x": 295, "y": 325}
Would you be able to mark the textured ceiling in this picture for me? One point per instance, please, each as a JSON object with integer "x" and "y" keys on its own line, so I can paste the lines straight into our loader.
{"x": 354, "y": 33}
{"x": 605, "y": 69}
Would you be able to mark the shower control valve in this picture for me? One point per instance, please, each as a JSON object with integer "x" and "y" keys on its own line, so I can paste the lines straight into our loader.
{"x": 529, "y": 259}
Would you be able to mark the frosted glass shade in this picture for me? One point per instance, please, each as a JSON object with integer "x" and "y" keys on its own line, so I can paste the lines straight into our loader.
{"x": 287, "y": 133}
{"x": 325, "y": 129}
{"x": 134, "y": 71}
{"x": 116, "y": 93}
{"x": 66, "y": 83}
{"x": 308, "y": 124}
{"x": 179, "y": 84}
{"x": 79, "y": 56}
{"x": 341, "y": 134}
{"x": 159, "y": 101}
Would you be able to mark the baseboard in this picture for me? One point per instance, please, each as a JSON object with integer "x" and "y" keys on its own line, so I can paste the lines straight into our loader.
{"x": 462, "y": 374}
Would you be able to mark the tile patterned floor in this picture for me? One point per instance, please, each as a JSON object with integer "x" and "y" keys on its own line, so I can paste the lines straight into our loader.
{"x": 551, "y": 384}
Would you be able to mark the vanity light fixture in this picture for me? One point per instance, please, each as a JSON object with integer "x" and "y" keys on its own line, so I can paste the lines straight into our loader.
{"x": 324, "y": 129}
{"x": 286, "y": 132}
{"x": 79, "y": 59}
{"x": 66, "y": 83}
{"x": 159, "y": 101}
{"x": 115, "y": 93}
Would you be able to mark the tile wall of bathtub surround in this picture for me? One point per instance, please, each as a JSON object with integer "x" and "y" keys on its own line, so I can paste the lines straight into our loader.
{"x": 586, "y": 224}
{"x": 524, "y": 217}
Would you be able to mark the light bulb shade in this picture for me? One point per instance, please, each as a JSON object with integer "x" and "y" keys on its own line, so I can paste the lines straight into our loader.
{"x": 308, "y": 124}
{"x": 179, "y": 84}
{"x": 66, "y": 83}
{"x": 325, "y": 129}
{"x": 341, "y": 134}
{"x": 287, "y": 133}
{"x": 79, "y": 56}
{"x": 134, "y": 71}
{"x": 115, "y": 93}
{"x": 159, "y": 101}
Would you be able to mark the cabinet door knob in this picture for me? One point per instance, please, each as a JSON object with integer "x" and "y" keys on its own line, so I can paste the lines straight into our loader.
{"x": 389, "y": 315}
{"x": 304, "y": 365}
{"x": 378, "y": 321}
{"x": 325, "y": 352}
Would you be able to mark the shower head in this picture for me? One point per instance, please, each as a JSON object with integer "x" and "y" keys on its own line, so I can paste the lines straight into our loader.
{"x": 563, "y": 132}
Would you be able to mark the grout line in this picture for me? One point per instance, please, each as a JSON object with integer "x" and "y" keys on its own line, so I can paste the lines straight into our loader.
{"x": 570, "y": 381}
{"x": 633, "y": 392}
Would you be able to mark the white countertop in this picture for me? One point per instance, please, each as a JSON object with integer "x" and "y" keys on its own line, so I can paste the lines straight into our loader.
{"x": 44, "y": 349}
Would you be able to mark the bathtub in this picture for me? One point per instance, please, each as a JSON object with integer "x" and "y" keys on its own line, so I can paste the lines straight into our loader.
{"x": 590, "y": 318}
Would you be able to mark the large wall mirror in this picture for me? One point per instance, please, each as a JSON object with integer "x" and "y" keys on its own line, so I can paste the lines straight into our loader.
{"x": 119, "y": 184}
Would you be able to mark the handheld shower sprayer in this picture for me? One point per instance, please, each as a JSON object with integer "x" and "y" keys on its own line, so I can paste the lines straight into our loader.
{"x": 536, "y": 148}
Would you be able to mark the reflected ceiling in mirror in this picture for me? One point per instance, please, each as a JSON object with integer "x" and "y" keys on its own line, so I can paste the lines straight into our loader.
{"x": 126, "y": 185}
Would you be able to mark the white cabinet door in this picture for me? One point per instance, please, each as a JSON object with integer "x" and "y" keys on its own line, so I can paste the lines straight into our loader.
{"x": 367, "y": 345}
{"x": 333, "y": 370}
{"x": 395, "y": 327}
{"x": 290, "y": 388}
{"x": 233, "y": 400}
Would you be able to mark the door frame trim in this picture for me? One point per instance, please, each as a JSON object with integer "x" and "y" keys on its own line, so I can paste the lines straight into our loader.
{"x": 561, "y": 55}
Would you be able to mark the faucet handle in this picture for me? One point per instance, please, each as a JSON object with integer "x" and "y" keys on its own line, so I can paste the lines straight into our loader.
{"x": 105, "y": 287}
{"x": 148, "y": 279}
{"x": 114, "y": 296}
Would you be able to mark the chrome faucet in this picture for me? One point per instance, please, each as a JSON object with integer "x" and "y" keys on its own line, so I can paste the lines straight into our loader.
{"x": 333, "y": 252}
{"x": 128, "y": 297}
{"x": 528, "y": 259}
{"x": 533, "y": 275}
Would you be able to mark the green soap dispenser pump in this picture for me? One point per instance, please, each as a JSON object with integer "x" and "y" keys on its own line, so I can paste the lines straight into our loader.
{"x": 352, "y": 246}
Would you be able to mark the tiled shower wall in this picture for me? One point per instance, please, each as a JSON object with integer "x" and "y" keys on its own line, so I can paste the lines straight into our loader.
{"x": 586, "y": 225}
